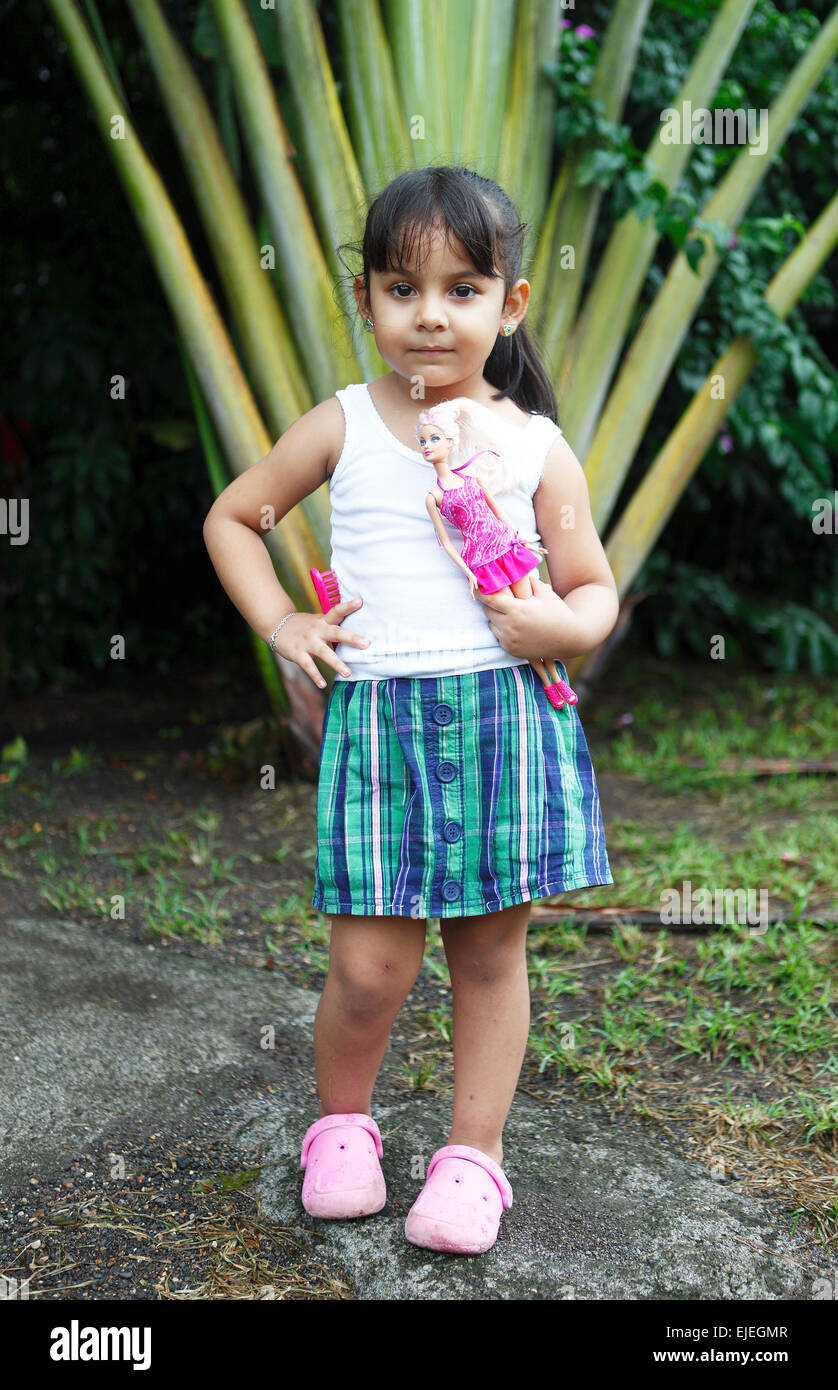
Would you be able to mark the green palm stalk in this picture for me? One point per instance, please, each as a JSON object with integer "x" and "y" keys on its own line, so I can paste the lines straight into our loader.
{"x": 267, "y": 344}
{"x": 649, "y": 360}
{"x": 235, "y": 415}
{"x": 321, "y": 334}
{"x": 589, "y": 357}
{"x": 573, "y": 210}
{"x": 526, "y": 146}
{"x": 644, "y": 518}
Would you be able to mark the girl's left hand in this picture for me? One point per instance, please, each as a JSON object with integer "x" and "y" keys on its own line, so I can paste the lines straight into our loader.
{"x": 541, "y": 625}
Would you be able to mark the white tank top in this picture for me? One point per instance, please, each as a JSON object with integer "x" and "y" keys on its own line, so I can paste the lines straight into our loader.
{"x": 417, "y": 610}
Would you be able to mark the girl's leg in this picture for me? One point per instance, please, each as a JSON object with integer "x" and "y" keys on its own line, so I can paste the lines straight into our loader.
{"x": 488, "y": 968}
{"x": 373, "y": 963}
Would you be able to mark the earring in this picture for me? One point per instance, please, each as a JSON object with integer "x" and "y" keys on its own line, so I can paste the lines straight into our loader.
{"x": 507, "y": 329}
{"x": 369, "y": 325}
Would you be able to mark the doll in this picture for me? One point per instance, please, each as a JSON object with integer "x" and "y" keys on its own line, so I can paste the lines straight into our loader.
{"x": 494, "y": 557}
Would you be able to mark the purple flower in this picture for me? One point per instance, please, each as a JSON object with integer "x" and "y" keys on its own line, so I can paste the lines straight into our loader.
{"x": 584, "y": 31}
{"x": 564, "y": 23}
{"x": 734, "y": 241}
{"x": 725, "y": 443}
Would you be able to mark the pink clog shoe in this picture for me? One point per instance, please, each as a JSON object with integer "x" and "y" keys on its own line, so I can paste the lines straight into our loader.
{"x": 343, "y": 1175}
{"x": 460, "y": 1207}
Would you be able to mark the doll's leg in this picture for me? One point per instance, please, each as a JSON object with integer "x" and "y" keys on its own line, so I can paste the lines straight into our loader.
{"x": 524, "y": 588}
{"x": 541, "y": 671}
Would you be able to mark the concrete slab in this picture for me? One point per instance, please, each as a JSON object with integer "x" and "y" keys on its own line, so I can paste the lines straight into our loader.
{"x": 93, "y": 1029}
{"x": 600, "y": 1212}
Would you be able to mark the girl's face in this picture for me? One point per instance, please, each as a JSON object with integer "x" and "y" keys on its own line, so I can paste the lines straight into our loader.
{"x": 445, "y": 306}
{"x": 435, "y": 447}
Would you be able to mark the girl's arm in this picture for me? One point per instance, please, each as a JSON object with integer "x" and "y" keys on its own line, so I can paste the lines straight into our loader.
{"x": 250, "y": 506}
{"x": 579, "y": 608}
{"x": 578, "y": 566}
{"x": 256, "y": 501}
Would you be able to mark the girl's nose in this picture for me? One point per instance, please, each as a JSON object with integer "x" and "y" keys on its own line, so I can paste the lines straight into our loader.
{"x": 430, "y": 316}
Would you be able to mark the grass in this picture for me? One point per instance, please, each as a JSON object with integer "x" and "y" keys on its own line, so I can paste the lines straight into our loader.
{"x": 726, "y": 716}
{"x": 743, "y": 997}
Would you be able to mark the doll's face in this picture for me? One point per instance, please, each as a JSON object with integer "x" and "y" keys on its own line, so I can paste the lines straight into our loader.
{"x": 434, "y": 445}
{"x": 443, "y": 304}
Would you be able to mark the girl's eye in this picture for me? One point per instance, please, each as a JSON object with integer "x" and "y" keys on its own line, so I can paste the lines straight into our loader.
{"x": 403, "y": 286}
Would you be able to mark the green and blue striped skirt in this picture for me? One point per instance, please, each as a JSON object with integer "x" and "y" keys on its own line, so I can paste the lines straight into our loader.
{"x": 453, "y": 796}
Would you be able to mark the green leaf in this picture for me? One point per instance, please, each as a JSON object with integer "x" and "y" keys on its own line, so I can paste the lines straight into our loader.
{"x": 16, "y": 751}
{"x": 599, "y": 166}
{"x": 694, "y": 250}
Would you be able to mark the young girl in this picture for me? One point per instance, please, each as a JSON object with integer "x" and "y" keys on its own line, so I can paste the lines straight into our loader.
{"x": 448, "y": 785}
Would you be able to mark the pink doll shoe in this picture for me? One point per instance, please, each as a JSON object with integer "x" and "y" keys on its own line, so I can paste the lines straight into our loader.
{"x": 555, "y": 696}
{"x": 460, "y": 1207}
{"x": 570, "y": 695}
{"x": 559, "y": 692}
{"x": 343, "y": 1175}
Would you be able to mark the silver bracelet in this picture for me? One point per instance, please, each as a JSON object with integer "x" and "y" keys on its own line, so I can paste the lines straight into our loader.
{"x": 272, "y": 637}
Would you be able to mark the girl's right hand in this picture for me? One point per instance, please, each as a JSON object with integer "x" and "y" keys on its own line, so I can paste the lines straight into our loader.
{"x": 310, "y": 637}
{"x": 472, "y": 583}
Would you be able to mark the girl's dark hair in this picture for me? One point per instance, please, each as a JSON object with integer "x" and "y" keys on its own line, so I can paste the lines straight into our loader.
{"x": 476, "y": 211}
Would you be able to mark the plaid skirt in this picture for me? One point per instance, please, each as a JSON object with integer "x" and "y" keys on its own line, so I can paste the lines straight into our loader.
{"x": 453, "y": 796}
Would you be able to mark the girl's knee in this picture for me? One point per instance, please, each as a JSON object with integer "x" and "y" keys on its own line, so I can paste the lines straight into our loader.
{"x": 488, "y": 949}
{"x": 500, "y": 965}
{"x": 373, "y": 971}
{"x": 369, "y": 989}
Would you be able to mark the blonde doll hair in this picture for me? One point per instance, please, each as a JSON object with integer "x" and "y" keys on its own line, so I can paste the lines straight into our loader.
{"x": 469, "y": 427}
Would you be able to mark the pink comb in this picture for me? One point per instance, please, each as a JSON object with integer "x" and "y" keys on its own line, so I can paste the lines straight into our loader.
{"x": 326, "y": 588}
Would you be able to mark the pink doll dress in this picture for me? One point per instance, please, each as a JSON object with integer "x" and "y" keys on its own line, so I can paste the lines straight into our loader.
{"x": 493, "y": 552}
